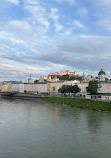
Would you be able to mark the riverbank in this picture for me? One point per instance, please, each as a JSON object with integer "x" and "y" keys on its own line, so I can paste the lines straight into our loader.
{"x": 24, "y": 96}
{"x": 82, "y": 103}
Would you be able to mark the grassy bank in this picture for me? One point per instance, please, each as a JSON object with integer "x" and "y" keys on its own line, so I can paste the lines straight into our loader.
{"x": 82, "y": 103}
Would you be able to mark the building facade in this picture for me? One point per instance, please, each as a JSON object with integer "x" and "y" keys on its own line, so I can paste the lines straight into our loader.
{"x": 101, "y": 75}
{"x": 51, "y": 76}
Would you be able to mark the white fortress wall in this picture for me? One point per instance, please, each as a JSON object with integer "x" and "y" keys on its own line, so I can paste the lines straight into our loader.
{"x": 43, "y": 88}
{"x": 17, "y": 88}
{"x": 40, "y": 88}
{"x": 28, "y": 87}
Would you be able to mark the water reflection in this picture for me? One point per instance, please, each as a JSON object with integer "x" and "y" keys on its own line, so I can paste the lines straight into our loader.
{"x": 38, "y": 129}
{"x": 94, "y": 121}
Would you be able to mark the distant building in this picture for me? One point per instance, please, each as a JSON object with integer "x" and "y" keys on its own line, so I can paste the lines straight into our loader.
{"x": 90, "y": 78}
{"x": 55, "y": 79}
{"x": 51, "y": 76}
{"x": 67, "y": 72}
{"x": 41, "y": 79}
{"x": 101, "y": 75}
{"x": 30, "y": 79}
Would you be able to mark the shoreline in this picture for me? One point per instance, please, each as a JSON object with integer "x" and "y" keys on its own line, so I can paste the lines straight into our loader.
{"x": 82, "y": 103}
{"x": 23, "y": 96}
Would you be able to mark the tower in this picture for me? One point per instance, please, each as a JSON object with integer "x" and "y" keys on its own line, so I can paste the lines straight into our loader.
{"x": 84, "y": 77}
{"x": 75, "y": 72}
{"x": 30, "y": 79}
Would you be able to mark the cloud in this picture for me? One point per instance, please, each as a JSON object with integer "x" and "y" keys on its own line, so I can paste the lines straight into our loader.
{"x": 104, "y": 2}
{"x": 78, "y": 24}
{"x": 20, "y": 72}
{"x": 38, "y": 14}
{"x": 87, "y": 56}
{"x": 103, "y": 13}
{"x": 84, "y": 63}
{"x": 54, "y": 15}
{"x": 57, "y": 66}
{"x": 76, "y": 48}
{"x": 89, "y": 36}
{"x": 45, "y": 34}
{"x": 70, "y": 2}
{"x": 20, "y": 28}
{"x": 16, "y": 2}
{"x": 15, "y": 41}
{"x": 83, "y": 11}
{"x": 106, "y": 23}
{"x": 17, "y": 24}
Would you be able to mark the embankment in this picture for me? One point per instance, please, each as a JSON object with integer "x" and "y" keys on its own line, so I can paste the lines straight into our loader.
{"x": 22, "y": 96}
{"x": 82, "y": 103}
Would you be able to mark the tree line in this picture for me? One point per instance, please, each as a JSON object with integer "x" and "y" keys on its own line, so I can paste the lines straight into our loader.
{"x": 91, "y": 89}
{"x": 69, "y": 89}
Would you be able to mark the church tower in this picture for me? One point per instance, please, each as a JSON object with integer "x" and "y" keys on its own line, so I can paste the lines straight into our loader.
{"x": 84, "y": 77}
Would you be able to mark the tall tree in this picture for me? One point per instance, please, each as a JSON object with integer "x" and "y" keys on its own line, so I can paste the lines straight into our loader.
{"x": 93, "y": 87}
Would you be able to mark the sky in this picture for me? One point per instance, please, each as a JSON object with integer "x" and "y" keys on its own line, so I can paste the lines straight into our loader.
{"x": 42, "y": 36}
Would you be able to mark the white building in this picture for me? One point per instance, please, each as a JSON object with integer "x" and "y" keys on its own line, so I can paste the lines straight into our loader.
{"x": 90, "y": 78}
{"x": 73, "y": 82}
{"x": 101, "y": 75}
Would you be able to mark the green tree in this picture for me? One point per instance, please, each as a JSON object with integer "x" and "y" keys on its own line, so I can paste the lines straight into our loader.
{"x": 93, "y": 87}
{"x": 69, "y": 89}
{"x": 67, "y": 77}
{"x": 75, "y": 89}
{"x": 63, "y": 89}
{"x": 36, "y": 81}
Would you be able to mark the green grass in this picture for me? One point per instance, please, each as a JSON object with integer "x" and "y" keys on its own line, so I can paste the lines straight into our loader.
{"x": 81, "y": 103}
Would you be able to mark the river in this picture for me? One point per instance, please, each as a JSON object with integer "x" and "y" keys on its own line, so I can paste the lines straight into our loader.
{"x": 35, "y": 129}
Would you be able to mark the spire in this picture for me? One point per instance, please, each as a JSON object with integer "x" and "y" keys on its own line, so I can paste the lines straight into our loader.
{"x": 83, "y": 77}
{"x": 83, "y": 74}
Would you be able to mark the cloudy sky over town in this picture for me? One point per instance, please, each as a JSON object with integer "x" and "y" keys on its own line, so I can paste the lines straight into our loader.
{"x": 42, "y": 36}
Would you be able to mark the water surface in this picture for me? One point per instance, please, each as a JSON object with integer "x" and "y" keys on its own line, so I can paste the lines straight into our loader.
{"x": 35, "y": 129}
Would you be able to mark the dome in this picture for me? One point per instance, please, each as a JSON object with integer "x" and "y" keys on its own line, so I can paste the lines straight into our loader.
{"x": 101, "y": 72}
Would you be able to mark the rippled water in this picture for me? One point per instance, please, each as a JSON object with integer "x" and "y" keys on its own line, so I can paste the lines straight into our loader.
{"x": 31, "y": 129}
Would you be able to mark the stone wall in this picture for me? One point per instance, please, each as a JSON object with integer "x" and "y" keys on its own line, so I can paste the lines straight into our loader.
{"x": 54, "y": 86}
{"x": 40, "y": 88}
{"x": 51, "y": 87}
{"x": 16, "y": 88}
